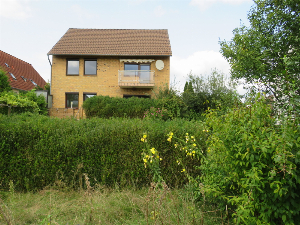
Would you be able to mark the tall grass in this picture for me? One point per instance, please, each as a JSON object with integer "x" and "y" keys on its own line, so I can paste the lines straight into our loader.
{"x": 102, "y": 205}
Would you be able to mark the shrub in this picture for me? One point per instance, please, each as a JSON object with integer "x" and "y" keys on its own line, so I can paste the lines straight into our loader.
{"x": 252, "y": 165}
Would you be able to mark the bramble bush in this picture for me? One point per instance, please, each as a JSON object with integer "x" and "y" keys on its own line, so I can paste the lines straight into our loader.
{"x": 252, "y": 165}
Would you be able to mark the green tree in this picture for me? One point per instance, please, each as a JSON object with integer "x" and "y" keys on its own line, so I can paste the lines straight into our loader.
{"x": 4, "y": 83}
{"x": 267, "y": 52}
{"x": 211, "y": 91}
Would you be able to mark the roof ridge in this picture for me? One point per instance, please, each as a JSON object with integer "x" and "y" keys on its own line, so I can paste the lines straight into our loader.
{"x": 113, "y": 29}
{"x": 16, "y": 57}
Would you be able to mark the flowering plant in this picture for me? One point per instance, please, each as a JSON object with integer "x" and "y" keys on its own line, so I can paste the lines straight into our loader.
{"x": 156, "y": 113}
{"x": 151, "y": 160}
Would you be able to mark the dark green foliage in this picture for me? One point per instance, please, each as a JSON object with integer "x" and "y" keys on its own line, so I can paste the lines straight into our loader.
{"x": 36, "y": 151}
{"x": 107, "y": 107}
{"x": 4, "y": 82}
{"x": 252, "y": 165}
{"x": 202, "y": 93}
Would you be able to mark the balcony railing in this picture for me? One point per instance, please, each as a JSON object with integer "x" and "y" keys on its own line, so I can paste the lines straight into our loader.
{"x": 136, "y": 78}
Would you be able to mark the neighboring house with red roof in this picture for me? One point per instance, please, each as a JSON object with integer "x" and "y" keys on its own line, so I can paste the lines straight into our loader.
{"x": 22, "y": 75}
{"x": 113, "y": 62}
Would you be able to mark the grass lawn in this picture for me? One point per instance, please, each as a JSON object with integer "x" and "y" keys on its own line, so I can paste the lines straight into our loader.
{"x": 101, "y": 205}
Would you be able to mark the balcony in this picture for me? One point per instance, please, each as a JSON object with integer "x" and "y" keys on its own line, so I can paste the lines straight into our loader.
{"x": 136, "y": 78}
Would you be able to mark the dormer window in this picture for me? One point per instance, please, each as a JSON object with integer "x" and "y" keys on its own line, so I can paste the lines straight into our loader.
{"x": 33, "y": 82}
{"x": 13, "y": 76}
{"x": 24, "y": 78}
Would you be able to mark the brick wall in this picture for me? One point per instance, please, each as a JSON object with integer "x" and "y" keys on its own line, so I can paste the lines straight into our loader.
{"x": 104, "y": 83}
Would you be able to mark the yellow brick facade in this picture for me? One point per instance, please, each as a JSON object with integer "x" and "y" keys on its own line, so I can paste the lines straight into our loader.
{"x": 106, "y": 80}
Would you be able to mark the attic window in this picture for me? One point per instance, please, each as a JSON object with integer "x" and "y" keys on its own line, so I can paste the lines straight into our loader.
{"x": 33, "y": 82}
{"x": 13, "y": 76}
{"x": 24, "y": 78}
{"x": 6, "y": 65}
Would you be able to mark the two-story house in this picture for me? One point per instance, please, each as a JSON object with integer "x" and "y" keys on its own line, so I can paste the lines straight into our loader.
{"x": 113, "y": 62}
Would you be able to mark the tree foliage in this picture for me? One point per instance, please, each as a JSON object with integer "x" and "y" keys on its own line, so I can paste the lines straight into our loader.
{"x": 212, "y": 91}
{"x": 267, "y": 52}
{"x": 4, "y": 83}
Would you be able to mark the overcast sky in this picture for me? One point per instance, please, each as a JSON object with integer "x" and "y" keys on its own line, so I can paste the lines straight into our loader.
{"x": 30, "y": 28}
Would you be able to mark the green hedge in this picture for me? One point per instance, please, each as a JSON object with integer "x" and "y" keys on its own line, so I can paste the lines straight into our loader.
{"x": 107, "y": 107}
{"x": 36, "y": 151}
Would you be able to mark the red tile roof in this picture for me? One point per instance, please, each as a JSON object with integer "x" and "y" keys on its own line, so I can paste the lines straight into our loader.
{"x": 19, "y": 68}
{"x": 122, "y": 42}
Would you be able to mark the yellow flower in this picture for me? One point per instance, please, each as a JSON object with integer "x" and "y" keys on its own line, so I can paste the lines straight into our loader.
{"x": 187, "y": 134}
{"x": 151, "y": 161}
{"x": 183, "y": 170}
{"x": 147, "y": 156}
{"x": 152, "y": 150}
{"x": 160, "y": 159}
{"x": 144, "y": 136}
{"x": 176, "y": 145}
{"x": 194, "y": 144}
{"x": 142, "y": 139}
{"x": 193, "y": 152}
{"x": 177, "y": 162}
{"x": 145, "y": 160}
{"x": 192, "y": 137}
{"x": 157, "y": 156}
{"x": 169, "y": 139}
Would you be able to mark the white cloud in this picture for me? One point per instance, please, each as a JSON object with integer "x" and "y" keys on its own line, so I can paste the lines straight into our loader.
{"x": 204, "y": 4}
{"x": 159, "y": 11}
{"x": 15, "y": 9}
{"x": 199, "y": 63}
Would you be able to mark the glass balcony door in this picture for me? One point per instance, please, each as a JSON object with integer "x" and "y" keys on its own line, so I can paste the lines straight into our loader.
{"x": 144, "y": 75}
{"x": 140, "y": 71}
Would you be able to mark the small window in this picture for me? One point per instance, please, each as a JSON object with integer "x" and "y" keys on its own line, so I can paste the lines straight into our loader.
{"x": 13, "y": 76}
{"x": 137, "y": 96}
{"x": 24, "y": 78}
{"x": 73, "y": 67}
{"x": 33, "y": 82}
{"x": 72, "y": 100}
{"x": 6, "y": 65}
{"x": 90, "y": 67}
{"x": 88, "y": 95}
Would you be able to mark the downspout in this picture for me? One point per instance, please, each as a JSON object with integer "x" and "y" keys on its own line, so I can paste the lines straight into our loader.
{"x": 50, "y": 73}
{"x": 50, "y": 94}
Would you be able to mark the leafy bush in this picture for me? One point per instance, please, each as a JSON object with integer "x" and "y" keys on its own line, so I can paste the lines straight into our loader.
{"x": 252, "y": 165}
{"x": 36, "y": 151}
{"x": 40, "y": 101}
{"x": 211, "y": 92}
{"x": 16, "y": 103}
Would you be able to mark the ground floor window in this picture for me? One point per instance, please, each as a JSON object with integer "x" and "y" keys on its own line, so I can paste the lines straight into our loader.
{"x": 138, "y": 96}
{"x": 88, "y": 95}
{"x": 72, "y": 100}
